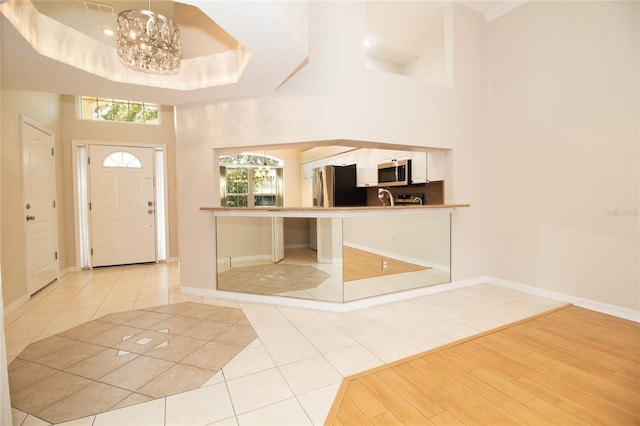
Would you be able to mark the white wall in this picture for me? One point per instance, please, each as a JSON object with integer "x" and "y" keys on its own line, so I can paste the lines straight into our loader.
{"x": 564, "y": 149}
{"x": 44, "y": 108}
{"x": 336, "y": 97}
{"x": 418, "y": 237}
{"x": 104, "y": 131}
{"x": 249, "y": 237}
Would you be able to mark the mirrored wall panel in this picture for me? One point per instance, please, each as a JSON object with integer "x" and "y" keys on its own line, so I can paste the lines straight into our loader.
{"x": 332, "y": 259}
{"x": 293, "y": 257}
{"x": 387, "y": 254}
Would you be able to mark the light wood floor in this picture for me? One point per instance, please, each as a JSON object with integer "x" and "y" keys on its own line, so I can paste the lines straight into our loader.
{"x": 571, "y": 366}
{"x": 360, "y": 264}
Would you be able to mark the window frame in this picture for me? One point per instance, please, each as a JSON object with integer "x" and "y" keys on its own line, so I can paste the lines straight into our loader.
{"x": 80, "y": 108}
{"x": 252, "y": 163}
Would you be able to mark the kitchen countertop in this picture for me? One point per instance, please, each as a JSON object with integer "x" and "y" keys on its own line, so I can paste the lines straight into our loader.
{"x": 402, "y": 208}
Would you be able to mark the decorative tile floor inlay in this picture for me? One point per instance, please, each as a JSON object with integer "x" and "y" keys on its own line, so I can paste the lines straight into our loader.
{"x": 126, "y": 358}
{"x": 271, "y": 278}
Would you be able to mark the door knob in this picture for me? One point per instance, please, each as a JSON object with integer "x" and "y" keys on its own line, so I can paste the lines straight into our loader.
{"x": 30, "y": 218}
{"x": 149, "y": 203}
{"x": 150, "y": 211}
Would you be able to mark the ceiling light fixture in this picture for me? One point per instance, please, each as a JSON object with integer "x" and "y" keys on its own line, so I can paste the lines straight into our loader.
{"x": 148, "y": 41}
{"x": 107, "y": 31}
{"x": 264, "y": 173}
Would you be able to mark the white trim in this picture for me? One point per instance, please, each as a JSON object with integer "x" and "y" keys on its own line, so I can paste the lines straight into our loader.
{"x": 256, "y": 257}
{"x": 26, "y": 121}
{"x": 593, "y": 305}
{"x": 333, "y": 306}
{"x": 502, "y": 9}
{"x": 154, "y": 146}
{"x": 68, "y": 270}
{"x": 16, "y": 305}
{"x": 330, "y": 260}
{"x": 5, "y": 400}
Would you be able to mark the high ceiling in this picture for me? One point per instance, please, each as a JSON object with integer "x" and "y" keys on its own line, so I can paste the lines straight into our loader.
{"x": 230, "y": 57}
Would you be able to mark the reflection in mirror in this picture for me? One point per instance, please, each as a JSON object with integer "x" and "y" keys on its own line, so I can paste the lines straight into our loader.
{"x": 386, "y": 254}
{"x": 251, "y": 260}
{"x": 332, "y": 259}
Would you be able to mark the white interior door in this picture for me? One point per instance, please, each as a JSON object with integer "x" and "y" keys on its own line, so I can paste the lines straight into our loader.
{"x": 278, "y": 238}
{"x": 122, "y": 205}
{"x": 39, "y": 180}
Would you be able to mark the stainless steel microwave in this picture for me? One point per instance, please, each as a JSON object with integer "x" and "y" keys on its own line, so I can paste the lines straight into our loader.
{"x": 394, "y": 173}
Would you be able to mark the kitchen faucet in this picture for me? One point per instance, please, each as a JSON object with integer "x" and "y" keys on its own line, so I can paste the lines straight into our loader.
{"x": 381, "y": 192}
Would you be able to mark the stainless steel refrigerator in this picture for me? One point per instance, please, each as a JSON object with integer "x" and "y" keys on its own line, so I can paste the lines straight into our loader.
{"x": 336, "y": 186}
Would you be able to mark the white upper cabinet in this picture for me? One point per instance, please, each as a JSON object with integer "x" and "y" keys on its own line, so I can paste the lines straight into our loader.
{"x": 367, "y": 167}
{"x": 387, "y": 155}
{"x": 427, "y": 166}
{"x": 419, "y": 167}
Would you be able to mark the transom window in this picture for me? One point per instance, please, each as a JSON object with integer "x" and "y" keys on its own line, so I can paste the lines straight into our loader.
{"x": 104, "y": 109}
{"x": 122, "y": 159}
{"x": 250, "y": 180}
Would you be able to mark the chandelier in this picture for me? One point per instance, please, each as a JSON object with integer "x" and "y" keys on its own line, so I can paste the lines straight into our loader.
{"x": 263, "y": 173}
{"x": 148, "y": 41}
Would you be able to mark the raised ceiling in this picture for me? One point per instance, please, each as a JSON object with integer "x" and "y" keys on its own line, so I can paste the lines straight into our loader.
{"x": 244, "y": 39}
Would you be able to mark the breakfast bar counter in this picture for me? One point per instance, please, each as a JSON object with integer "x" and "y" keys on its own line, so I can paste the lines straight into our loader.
{"x": 332, "y": 254}
{"x": 332, "y": 211}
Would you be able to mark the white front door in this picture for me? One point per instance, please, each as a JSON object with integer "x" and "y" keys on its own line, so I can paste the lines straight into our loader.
{"x": 277, "y": 226}
{"x": 39, "y": 181}
{"x": 122, "y": 205}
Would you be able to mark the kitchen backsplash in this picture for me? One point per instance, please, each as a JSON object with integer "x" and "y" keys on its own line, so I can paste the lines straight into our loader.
{"x": 433, "y": 193}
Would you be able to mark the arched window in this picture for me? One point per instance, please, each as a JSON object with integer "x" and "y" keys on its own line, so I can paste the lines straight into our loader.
{"x": 122, "y": 159}
{"x": 250, "y": 180}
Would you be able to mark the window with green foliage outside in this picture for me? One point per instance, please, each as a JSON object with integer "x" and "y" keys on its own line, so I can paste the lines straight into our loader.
{"x": 104, "y": 109}
{"x": 249, "y": 180}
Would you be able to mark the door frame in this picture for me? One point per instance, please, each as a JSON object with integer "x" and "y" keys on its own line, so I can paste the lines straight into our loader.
{"x": 26, "y": 121}
{"x": 82, "y": 225}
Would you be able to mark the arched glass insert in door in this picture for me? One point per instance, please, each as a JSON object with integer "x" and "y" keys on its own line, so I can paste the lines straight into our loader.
{"x": 122, "y": 159}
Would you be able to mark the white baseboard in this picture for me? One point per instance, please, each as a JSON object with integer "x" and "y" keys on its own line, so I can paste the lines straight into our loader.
{"x": 593, "y": 305}
{"x": 410, "y": 294}
{"x": 67, "y": 270}
{"x": 333, "y": 306}
{"x": 15, "y": 305}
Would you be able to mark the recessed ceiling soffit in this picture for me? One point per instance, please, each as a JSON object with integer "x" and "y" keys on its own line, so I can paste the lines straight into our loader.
{"x": 200, "y": 68}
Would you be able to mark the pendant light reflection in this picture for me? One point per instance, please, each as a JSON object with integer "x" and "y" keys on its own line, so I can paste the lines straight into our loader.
{"x": 264, "y": 173}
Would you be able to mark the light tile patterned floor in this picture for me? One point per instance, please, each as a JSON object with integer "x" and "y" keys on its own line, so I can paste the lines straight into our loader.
{"x": 126, "y": 358}
{"x": 288, "y": 375}
{"x": 300, "y": 275}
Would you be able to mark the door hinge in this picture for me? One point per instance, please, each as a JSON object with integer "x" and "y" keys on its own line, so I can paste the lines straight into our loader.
{"x": 92, "y": 251}
{"x": 53, "y": 152}
{"x": 54, "y": 204}
{"x": 55, "y": 255}
{"x": 89, "y": 205}
{"x": 89, "y": 160}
